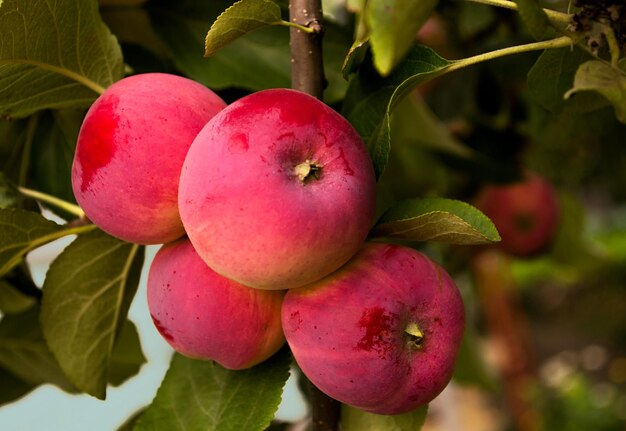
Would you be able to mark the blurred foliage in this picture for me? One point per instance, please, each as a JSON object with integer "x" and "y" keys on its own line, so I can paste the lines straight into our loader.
{"x": 578, "y": 403}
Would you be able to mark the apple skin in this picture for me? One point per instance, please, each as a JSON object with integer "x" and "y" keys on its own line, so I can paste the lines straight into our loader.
{"x": 347, "y": 331}
{"x": 130, "y": 152}
{"x": 247, "y": 211}
{"x": 206, "y": 316}
{"x": 525, "y": 213}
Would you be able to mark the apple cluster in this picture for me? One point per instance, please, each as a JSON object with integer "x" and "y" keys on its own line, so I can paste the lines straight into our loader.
{"x": 264, "y": 207}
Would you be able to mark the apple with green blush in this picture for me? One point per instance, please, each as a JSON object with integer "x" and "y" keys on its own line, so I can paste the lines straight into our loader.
{"x": 206, "y": 316}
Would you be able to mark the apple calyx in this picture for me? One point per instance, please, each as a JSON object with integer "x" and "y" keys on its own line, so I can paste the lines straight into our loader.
{"x": 307, "y": 171}
{"x": 415, "y": 336}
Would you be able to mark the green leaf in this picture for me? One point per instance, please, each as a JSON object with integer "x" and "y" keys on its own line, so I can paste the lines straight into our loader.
{"x": 393, "y": 25}
{"x": 127, "y": 357}
{"x": 131, "y": 26}
{"x": 22, "y": 231}
{"x": 129, "y": 424}
{"x": 241, "y": 18}
{"x": 12, "y": 388}
{"x": 424, "y": 129}
{"x": 553, "y": 74}
{"x": 336, "y": 42}
{"x": 27, "y": 361}
{"x": 421, "y": 144}
{"x": 355, "y": 57}
{"x": 9, "y": 194}
{"x": 356, "y": 6}
{"x": 12, "y": 137}
{"x": 21, "y": 279}
{"x": 534, "y": 17}
{"x": 570, "y": 244}
{"x": 53, "y": 152}
{"x": 86, "y": 296}
{"x": 436, "y": 219}
{"x": 474, "y": 18}
{"x": 607, "y": 80}
{"x": 12, "y": 301}
{"x": 54, "y": 54}
{"x": 24, "y": 352}
{"x": 202, "y": 395}
{"x": 370, "y": 98}
{"x": 353, "y": 419}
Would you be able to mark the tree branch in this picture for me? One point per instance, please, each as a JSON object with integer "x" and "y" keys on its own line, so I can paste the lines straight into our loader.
{"x": 307, "y": 75}
{"x": 325, "y": 411}
{"x": 307, "y": 67}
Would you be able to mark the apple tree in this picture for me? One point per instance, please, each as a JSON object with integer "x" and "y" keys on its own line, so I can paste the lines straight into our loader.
{"x": 478, "y": 147}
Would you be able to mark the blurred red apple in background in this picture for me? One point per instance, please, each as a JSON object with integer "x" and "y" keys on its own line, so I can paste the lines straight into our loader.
{"x": 525, "y": 213}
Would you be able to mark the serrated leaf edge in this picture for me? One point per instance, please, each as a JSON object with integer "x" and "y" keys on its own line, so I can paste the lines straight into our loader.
{"x": 122, "y": 280}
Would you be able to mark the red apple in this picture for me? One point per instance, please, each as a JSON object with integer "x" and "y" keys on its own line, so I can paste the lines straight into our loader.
{"x": 130, "y": 151}
{"x": 525, "y": 213}
{"x": 206, "y": 316}
{"x": 277, "y": 190}
{"x": 380, "y": 334}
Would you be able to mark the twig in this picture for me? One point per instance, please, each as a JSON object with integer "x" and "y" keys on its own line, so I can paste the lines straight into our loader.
{"x": 559, "y": 42}
{"x": 307, "y": 67}
{"x": 52, "y": 200}
{"x": 325, "y": 411}
{"x": 553, "y": 15}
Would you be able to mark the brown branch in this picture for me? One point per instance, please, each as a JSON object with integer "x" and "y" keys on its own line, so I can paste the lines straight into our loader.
{"x": 307, "y": 75}
{"x": 325, "y": 411}
{"x": 307, "y": 67}
{"x": 507, "y": 324}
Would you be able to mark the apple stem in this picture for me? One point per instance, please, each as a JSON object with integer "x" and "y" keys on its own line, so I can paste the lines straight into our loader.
{"x": 416, "y": 336}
